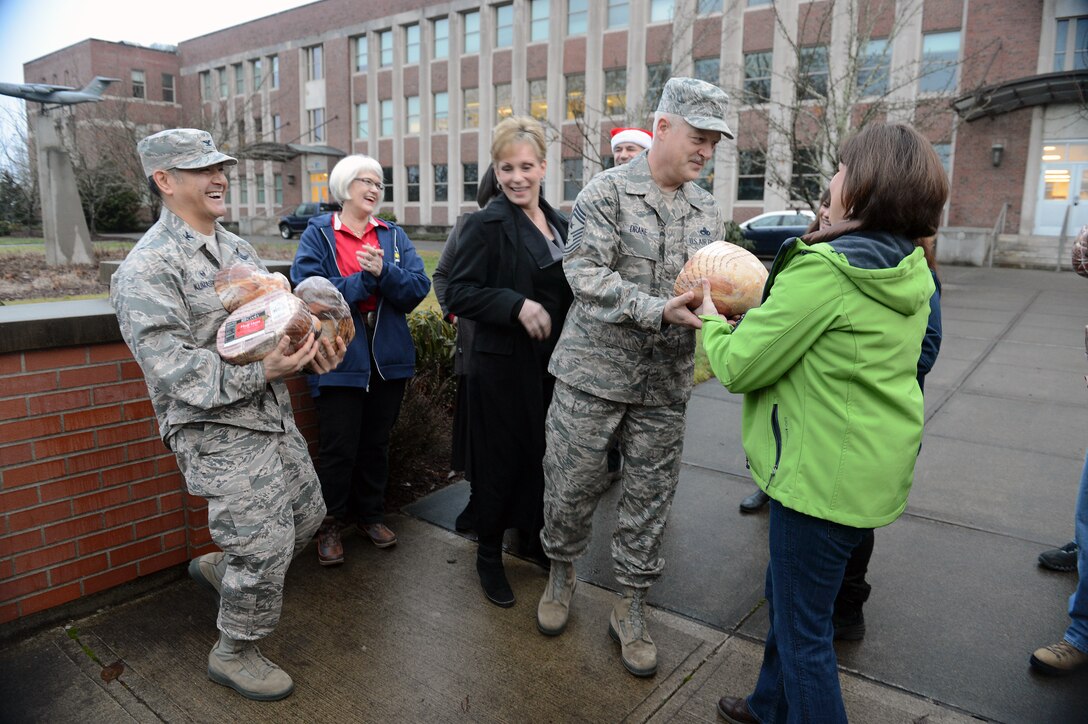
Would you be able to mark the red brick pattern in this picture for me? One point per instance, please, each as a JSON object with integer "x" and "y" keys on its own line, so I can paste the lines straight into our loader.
{"x": 90, "y": 498}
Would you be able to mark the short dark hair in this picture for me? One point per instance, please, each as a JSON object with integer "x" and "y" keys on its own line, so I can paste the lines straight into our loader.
{"x": 894, "y": 181}
{"x": 153, "y": 188}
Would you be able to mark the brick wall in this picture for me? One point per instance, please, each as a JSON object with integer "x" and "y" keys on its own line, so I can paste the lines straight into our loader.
{"x": 90, "y": 498}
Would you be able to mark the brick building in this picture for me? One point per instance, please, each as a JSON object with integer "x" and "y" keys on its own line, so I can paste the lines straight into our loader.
{"x": 420, "y": 88}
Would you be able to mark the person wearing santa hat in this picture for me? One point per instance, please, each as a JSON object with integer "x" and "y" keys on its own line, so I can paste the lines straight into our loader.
{"x": 628, "y": 143}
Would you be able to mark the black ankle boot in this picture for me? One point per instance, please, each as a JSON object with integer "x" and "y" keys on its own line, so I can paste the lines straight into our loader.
{"x": 493, "y": 576}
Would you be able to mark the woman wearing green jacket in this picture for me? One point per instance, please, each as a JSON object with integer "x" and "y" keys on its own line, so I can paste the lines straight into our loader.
{"x": 833, "y": 412}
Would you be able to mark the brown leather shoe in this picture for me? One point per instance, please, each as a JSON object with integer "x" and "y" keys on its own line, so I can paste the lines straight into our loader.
{"x": 735, "y": 711}
{"x": 330, "y": 549}
{"x": 380, "y": 535}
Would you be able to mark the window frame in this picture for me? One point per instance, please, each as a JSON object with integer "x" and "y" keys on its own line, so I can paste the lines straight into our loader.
{"x": 470, "y": 32}
{"x": 538, "y": 20}
{"x": 440, "y": 43}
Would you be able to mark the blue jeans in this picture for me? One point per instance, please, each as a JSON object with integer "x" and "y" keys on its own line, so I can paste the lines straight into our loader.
{"x": 1077, "y": 633}
{"x": 799, "y": 681}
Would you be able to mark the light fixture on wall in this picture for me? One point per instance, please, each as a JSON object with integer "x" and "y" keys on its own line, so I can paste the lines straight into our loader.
{"x": 997, "y": 152}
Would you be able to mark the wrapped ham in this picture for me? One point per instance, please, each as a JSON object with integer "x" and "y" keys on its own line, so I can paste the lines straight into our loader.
{"x": 326, "y": 303}
{"x": 240, "y": 284}
{"x": 736, "y": 278}
{"x": 255, "y": 328}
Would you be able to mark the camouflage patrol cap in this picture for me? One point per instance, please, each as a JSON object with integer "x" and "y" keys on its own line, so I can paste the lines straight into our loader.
{"x": 701, "y": 104}
{"x": 180, "y": 148}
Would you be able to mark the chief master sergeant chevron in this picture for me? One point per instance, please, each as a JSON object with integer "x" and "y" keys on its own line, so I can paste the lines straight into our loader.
{"x": 625, "y": 360}
{"x": 230, "y": 426}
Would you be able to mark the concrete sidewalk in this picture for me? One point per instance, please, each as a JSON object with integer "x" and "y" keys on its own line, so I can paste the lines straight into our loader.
{"x": 406, "y": 635}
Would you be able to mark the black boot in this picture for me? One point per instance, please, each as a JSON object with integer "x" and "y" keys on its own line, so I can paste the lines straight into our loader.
{"x": 492, "y": 574}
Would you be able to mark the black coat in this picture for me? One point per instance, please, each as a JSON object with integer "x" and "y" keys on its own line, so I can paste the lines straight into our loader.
{"x": 500, "y": 264}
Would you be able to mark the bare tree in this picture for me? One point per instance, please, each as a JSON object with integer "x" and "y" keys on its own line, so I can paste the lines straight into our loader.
{"x": 19, "y": 198}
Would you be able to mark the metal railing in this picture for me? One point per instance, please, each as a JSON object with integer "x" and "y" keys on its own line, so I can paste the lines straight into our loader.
{"x": 998, "y": 228}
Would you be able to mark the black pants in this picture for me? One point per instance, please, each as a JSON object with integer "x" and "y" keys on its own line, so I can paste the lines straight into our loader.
{"x": 354, "y": 426}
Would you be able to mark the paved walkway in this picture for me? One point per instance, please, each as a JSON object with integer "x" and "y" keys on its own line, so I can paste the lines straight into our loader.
{"x": 405, "y": 635}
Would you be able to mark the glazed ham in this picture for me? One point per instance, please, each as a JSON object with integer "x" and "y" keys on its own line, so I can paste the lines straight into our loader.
{"x": 326, "y": 303}
{"x": 736, "y": 278}
{"x": 240, "y": 284}
{"x": 255, "y": 328}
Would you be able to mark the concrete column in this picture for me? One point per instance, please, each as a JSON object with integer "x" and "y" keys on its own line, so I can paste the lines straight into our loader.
{"x": 67, "y": 240}
{"x": 783, "y": 94}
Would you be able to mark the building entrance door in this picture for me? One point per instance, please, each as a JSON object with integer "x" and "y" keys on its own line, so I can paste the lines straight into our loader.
{"x": 1063, "y": 188}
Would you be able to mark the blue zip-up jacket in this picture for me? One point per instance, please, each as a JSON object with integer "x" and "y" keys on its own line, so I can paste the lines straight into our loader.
{"x": 402, "y": 286}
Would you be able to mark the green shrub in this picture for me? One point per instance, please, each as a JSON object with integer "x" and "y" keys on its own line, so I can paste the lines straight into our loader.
{"x": 734, "y": 235}
{"x": 387, "y": 215}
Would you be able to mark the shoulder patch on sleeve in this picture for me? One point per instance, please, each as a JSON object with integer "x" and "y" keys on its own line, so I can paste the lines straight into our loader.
{"x": 577, "y": 226}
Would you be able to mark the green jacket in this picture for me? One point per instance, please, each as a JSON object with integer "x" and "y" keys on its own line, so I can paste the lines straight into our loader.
{"x": 828, "y": 363}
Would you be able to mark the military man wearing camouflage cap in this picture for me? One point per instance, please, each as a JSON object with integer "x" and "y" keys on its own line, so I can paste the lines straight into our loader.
{"x": 230, "y": 426}
{"x": 625, "y": 360}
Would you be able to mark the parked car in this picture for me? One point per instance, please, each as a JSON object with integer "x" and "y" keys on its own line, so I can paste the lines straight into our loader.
{"x": 767, "y": 231}
{"x": 295, "y": 222}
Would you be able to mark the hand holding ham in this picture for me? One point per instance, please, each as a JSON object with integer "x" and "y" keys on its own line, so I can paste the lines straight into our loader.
{"x": 677, "y": 312}
{"x": 280, "y": 362}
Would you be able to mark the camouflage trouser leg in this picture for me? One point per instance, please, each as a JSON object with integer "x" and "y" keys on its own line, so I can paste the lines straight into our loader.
{"x": 257, "y": 488}
{"x": 579, "y": 427}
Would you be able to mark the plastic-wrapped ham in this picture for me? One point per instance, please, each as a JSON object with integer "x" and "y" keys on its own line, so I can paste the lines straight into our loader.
{"x": 736, "y": 277}
{"x": 240, "y": 284}
{"x": 327, "y": 304}
{"x": 254, "y": 329}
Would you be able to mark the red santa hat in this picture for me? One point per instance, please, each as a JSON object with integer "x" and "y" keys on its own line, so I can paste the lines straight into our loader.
{"x": 636, "y": 136}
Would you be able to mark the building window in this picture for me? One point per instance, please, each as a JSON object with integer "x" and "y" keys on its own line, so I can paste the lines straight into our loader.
{"x": 1077, "y": 59}
{"x": 441, "y": 122}
{"x": 441, "y": 29}
{"x": 412, "y": 183}
{"x": 260, "y": 189}
{"x": 805, "y": 184}
{"x": 362, "y": 121}
{"x": 315, "y": 62}
{"x": 615, "y": 92}
{"x": 411, "y": 43}
{"x": 411, "y": 108}
{"x": 572, "y": 178}
{"x": 441, "y": 182}
{"x": 758, "y": 3}
{"x": 241, "y": 131}
{"x": 277, "y": 124}
{"x": 387, "y": 179}
{"x": 239, "y": 79}
{"x": 577, "y": 17}
{"x": 538, "y": 99}
{"x": 944, "y": 152}
{"x": 387, "y": 117}
{"x": 317, "y": 124}
{"x": 361, "y": 50}
{"x": 661, "y": 10}
{"x": 940, "y": 55}
{"x": 619, "y": 13}
{"x": 873, "y": 68}
{"x": 277, "y": 185}
{"x": 258, "y": 128}
{"x": 757, "y": 77}
{"x": 751, "y": 174}
{"x": 706, "y": 7}
{"x": 657, "y": 76}
{"x": 504, "y": 26}
{"x": 222, "y": 72}
{"x": 256, "y": 71}
{"x": 205, "y": 85}
{"x": 168, "y": 87}
{"x": 139, "y": 84}
{"x": 538, "y": 20}
{"x": 471, "y": 105}
{"x": 812, "y": 73}
{"x": 706, "y": 176}
{"x": 472, "y": 31}
{"x": 707, "y": 69}
{"x": 503, "y": 103}
{"x": 470, "y": 172}
{"x": 274, "y": 63}
{"x": 243, "y": 190}
{"x": 576, "y": 95}
{"x": 385, "y": 44}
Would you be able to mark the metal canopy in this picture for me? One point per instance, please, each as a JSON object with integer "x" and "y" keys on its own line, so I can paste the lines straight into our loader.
{"x": 269, "y": 151}
{"x": 1035, "y": 90}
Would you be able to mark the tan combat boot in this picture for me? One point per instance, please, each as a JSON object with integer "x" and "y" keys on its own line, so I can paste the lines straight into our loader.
{"x": 554, "y": 607}
{"x": 240, "y": 665}
{"x": 627, "y": 625}
{"x": 208, "y": 570}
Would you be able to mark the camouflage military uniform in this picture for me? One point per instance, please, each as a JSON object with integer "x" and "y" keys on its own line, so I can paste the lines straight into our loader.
{"x": 618, "y": 370}
{"x": 233, "y": 433}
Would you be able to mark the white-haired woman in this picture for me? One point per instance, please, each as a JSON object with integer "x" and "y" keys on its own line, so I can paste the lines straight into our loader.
{"x": 374, "y": 265}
